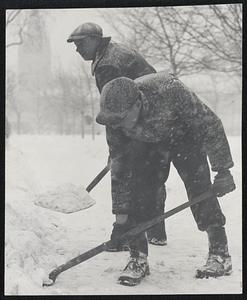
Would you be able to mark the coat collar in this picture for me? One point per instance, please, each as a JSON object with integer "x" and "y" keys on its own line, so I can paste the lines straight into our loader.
{"x": 100, "y": 53}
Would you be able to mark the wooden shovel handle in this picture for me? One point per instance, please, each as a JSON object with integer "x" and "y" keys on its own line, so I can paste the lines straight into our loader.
{"x": 127, "y": 237}
{"x": 97, "y": 179}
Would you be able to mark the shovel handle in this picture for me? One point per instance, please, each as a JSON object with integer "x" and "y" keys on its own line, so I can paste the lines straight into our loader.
{"x": 127, "y": 237}
{"x": 75, "y": 261}
{"x": 97, "y": 179}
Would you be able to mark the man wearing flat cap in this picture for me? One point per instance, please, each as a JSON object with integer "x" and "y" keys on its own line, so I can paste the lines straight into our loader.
{"x": 111, "y": 60}
{"x": 160, "y": 111}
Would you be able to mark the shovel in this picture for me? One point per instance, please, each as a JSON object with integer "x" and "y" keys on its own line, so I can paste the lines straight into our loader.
{"x": 69, "y": 198}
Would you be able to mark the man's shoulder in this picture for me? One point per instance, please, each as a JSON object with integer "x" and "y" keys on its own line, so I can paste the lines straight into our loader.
{"x": 123, "y": 58}
{"x": 116, "y": 46}
{"x": 117, "y": 51}
{"x": 155, "y": 79}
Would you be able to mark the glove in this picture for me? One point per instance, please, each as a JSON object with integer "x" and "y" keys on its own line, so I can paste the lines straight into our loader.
{"x": 223, "y": 183}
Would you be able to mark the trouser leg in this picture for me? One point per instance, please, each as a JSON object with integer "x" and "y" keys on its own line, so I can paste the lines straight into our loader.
{"x": 194, "y": 170}
{"x": 139, "y": 244}
{"x": 158, "y": 231}
{"x": 151, "y": 170}
{"x": 217, "y": 240}
{"x": 152, "y": 174}
{"x": 159, "y": 173}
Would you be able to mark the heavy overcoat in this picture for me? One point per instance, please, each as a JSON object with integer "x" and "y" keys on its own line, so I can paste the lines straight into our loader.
{"x": 116, "y": 60}
{"x": 174, "y": 118}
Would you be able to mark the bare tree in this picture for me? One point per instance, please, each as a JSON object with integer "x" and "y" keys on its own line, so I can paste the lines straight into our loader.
{"x": 17, "y": 25}
{"x": 186, "y": 40}
{"x": 11, "y": 16}
{"x": 217, "y": 31}
{"x": 154, "y": 33}
{"x": 16, "y": 22}
{"x": 13, "y": 105}
{"x": 69, "y": 101}
{"x": 91, "y": 95}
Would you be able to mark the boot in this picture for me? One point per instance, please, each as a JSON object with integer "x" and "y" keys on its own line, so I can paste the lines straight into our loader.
{"x": 136, "y": 269}
{"x": 219, "y": 261}
{"x": 157, "y": 235}
{"x": 158, "y": 242}
{"x": 215, "y": 266}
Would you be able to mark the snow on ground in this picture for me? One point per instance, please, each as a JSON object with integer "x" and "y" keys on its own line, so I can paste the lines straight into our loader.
{"x": 38, "y": 240}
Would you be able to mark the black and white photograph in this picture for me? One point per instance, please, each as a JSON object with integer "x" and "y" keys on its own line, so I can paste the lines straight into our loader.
{"x": 123, "y": 150}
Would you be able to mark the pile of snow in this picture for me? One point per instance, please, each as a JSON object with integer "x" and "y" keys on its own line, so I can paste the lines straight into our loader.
{"x": 34, "y": 239}
{"x": 66, "y": 198}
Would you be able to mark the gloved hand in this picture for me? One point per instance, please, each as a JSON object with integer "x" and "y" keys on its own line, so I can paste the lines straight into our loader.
{"x": 223, "y": 183}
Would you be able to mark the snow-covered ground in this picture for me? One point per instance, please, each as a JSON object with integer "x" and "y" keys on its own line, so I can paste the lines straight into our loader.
{"x": 38, "y": 240}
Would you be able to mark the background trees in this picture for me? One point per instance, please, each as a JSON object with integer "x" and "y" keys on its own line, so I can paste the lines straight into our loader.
{"x": 186, "y": 39}
{"x": 15, "y": 25}
{"x": 200, "y": 44}
{"x": 71, "y": 100}
{"x": 42, "y": 96}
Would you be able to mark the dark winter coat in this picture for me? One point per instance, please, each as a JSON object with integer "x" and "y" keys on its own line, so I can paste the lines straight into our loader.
{"x": 172, "y": 116}
{"x": 116, "y": 60}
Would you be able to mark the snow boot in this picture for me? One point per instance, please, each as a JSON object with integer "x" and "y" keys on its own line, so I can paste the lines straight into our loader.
{"x": 219, "y": 261}
{"x": 215, "y": 266}
{"x": 136, "y": 269}
{"x": 157, "y": 234}
{"x": 158, "y": 242}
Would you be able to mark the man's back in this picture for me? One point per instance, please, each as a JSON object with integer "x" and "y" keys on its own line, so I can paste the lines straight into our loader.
{"x": 115, "y": 60}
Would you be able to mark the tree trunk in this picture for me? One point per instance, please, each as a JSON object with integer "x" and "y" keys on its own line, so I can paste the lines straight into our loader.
{"x": 73, "y": 124}
{"x": 18, "y": 123}
{"x": 60, "y": 124}
{"x": 93, "y": 113}
{"x": 82, "y": 125}
{"x": 38, "y": 115}
{"x": 216, "y": 96}
{"x": 92, "y": 103}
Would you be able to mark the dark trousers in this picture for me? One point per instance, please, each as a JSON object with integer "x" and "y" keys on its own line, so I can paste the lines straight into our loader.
{"x": 151, "y": 172}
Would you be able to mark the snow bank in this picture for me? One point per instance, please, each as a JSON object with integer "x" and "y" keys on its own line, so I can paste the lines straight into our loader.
{"x": 34, "y": 236}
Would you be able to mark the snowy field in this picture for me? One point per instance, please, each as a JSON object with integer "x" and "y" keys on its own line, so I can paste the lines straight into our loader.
{"x": 38, "y": 240}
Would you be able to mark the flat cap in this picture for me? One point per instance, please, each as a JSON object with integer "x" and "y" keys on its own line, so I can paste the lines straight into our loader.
{"x": 117, "y": 98}
{"x": 84, "y": 30}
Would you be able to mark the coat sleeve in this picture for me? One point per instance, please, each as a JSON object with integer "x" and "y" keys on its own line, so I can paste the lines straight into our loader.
{"x": 206, "y": 127}
{"x": 121, "y": 170}
{"x": 104, "y": 74}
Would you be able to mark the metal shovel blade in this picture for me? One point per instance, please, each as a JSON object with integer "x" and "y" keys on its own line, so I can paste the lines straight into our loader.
{"x": 66, "y": 198}
{"x": 69, "y": 198}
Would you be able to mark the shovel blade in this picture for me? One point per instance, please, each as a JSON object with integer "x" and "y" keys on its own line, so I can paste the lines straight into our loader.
{"x": 66, "y": 199}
